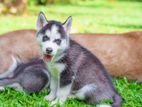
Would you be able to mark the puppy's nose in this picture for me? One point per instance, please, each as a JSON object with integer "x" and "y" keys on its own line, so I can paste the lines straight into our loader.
{"x": 48, "y": 50}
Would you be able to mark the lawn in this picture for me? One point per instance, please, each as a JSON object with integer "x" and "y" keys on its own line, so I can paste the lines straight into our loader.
{"x": 89, "y": 16}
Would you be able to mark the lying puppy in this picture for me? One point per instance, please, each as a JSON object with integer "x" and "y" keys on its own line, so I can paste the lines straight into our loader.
{"x": 74, "y": 70}
{"x": 31, "y": 77}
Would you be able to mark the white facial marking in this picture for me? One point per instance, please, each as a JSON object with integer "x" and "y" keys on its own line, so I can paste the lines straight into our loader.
{"x": 53, "y": 34}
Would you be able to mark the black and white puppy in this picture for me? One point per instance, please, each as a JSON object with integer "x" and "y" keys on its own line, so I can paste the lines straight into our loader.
{"x": 31, "y": 77}
{"x": 74, "y": 70}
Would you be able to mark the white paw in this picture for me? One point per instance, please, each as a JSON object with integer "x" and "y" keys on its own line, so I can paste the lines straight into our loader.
{"x": 57, "y": 101}
{"x": 50, "y": 97}
{"x": 2, "y": 88}
{"x": 53, "y": 103}
{"x": 103, "y": 105}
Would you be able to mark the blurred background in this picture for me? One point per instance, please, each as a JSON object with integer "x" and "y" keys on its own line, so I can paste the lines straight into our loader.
{"x": 89, "y": 16}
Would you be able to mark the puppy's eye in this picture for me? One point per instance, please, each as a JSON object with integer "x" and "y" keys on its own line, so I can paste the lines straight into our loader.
{"x": 45, "y": 38}
{"x": 57, "y": 41}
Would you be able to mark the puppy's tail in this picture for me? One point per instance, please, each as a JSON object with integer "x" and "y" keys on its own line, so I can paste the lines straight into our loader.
{"x": 10, "y": 71}
{"x": 117, "y": 101}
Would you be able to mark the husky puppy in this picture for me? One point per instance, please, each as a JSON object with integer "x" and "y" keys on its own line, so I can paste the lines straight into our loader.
{"x": 31, "y": 77}
{"x": 74, "y": 70}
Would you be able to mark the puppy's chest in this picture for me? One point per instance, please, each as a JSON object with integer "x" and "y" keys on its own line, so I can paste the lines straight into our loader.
{"x": 56, "y": 68}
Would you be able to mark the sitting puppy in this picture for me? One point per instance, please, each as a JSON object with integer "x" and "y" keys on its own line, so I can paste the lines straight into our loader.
{"x": 31, "y": 77}
{"x": 74, "y": 70}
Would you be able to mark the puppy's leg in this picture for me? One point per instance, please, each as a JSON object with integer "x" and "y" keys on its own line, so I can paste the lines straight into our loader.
{"x": 62, "y": 94}
{"x": 87, "y": 93}
{"x": 53, "y": 88}
{"x": 90, "y": 94}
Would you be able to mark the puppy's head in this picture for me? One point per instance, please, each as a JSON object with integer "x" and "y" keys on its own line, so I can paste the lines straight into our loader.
{"x": 52, "y": 36}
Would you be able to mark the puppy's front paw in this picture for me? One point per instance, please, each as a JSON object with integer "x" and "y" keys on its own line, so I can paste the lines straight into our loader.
{"x": 53, "y": 103}
{"x": 50, "y": 97}
{"x": 57, "y": 101}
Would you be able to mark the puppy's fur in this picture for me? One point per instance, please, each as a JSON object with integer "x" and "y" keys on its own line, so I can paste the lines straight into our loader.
{"x": 31, "y": 77}
{"x": 74, "y": 70}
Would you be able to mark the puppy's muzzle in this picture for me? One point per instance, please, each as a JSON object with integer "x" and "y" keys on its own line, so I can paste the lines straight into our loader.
{"x": 49, "y": 50}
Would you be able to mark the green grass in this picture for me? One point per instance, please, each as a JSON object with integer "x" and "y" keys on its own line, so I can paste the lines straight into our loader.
{"x": 130, "y": 91}
{"x": 88, "y": 17}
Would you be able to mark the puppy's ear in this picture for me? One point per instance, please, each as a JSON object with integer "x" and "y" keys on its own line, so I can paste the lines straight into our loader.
{"x": 67, "y": 24}
{"x": 41, "y": 21}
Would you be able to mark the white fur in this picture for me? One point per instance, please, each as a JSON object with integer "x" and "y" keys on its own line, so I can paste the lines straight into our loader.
{"x": 9, "y": 72}
{"x": 54, "y": 79}
{"x": 80, "y": 94}
{"x": 57, "y": 92}
{"x": 55, "y": 70}
{"x": 50, "y": 44}
{"x": 59, "y": 55}
{"x": 103, "y": 105}
{"x": 63, "y": 93}
{"x": 2, "y": 88}
{"x": 60, "y": 67}
{"x": 53, "y": 88}
{"x": 52, "y": 34}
